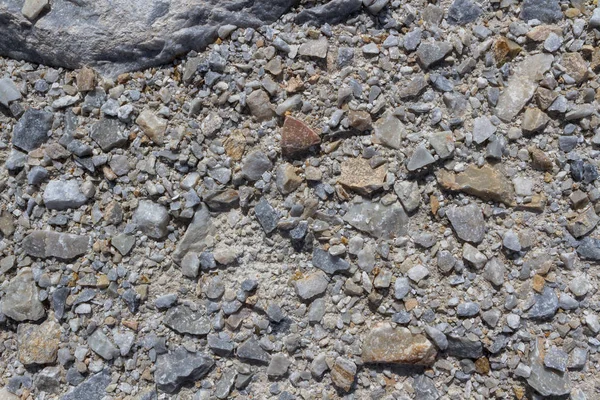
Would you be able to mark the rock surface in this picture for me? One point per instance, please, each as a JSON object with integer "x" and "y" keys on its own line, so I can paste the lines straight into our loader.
{"x": 385, "y": 344}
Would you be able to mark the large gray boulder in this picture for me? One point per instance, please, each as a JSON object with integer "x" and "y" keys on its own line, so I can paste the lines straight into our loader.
{"x": 115, "y": 36}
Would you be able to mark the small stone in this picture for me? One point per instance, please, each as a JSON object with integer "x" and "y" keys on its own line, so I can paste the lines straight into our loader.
{"x": 575, "y": 66}
{"x": 152, "y": 219}
{"x": 494, "y": 271}
{"x": 8, "y": 92}
{"x": 534, "y": 120}
{"x": 152, "y": 125}
{"x": 32, "y": 129}
{"x": 123, "y": 243}
{"x": 491, "y": 317}
{"x": 108, "y": 134}
{"x": 547, "y": 11}
{"x": 384, "y": 344}
{"x": 180, "y": 366}
{"x": 357, "y": 175}
{"x": 286, "y": 179}
{"x": 464, "y": 347}
{"x": 482, "y": 129}
{"x": 467, "y": 222}
{"x": 409, "y": 194}
{"x": 166, "y": 301}
{"x": 328, "y": 263}
{"x": 584, "y": 223}
{"x": 467, "y": 310}
{"x": 21, "y": 298}
{"x": 487, "y": 183}
{"x": 545, "y": 306}
{"x": 260, "y": 105}
{"x": 266, "y": 215}
{"x": 388, "y": 131}
{"x": 377, "y": 219}
{"x": 556, "y": 358}
{"x": 579, "y": 285}
{"x": 297, "y": 137}
{"x": 545, "y": 381}
{"x": 312, "y": 285}
{"x": 222, "y": 346}
{"x": 314, "y": 48}
{"x": 360, "y": 120}
{"x": 418, "y": 273}
{"x": 461, "y": 12}
{"x": 86, "y": 79}
{"x": 38, "y": 344}
{"x": 424, "y": 388}
{"x": 93, "y": 388}
{"x": 255, "y": 165}
{"x": 420, "y": 158}
{"x": 430, "y": 53}
{"x": 251, "y": 351}
{"x": 183, "y": 319}
{"x": 578, "y": 358}
{"x": 33, "y": 8}
{"x": 225, "y": 384}
{"x": 511, "y": 241}
{"x": 343, "y": 373}
{"x": 552, "y": 42}
{"x": 438, "y": 337}
{"x": 102, "y": 345}
{"x": 278, "y": 366}
{"x": 412, "y": 39}
{"x": 62, "y": 195}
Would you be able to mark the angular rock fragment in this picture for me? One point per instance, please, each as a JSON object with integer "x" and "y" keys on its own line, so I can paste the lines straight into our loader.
{"x": 431, "y": 53}
{"x": 266, "y": 215}
{"x": 547, "y": 11}
{"x": 314, "y": 48}
{"x": 194, "y": 239}
{"x": 108, "y": 133}
{"x": 487, "y": 183}
{"x": 178, "y": 367}
{"x": 545, "y": 306}
{"x": 297, "y": 137}
{"x": 64, "y": 246}
{"x": 384, "y": 344}
{"x": 102, "y": 345}
{"x": 183, "y": 319}
{"x": 32, "y": 129}
{"x": 152, "y": 125}
{"x": 251, "y": 351}
{"x": 357, "y": 175}
{"x": 38, "y": 344}
{"x": 152, "y": 219}
{"x": 389, "y": 132}
{"x": 343, "y": 373}
{"x": 62, "y": 195}
{"x": 8, "y": 92}
{"x": 378, "y": 220}
{"x": 461, "y": 12}
{"x": 584, "y": 223}
{"x": 420, "y": 158}
{"x": 260, "y": 105}
{"x": 21, "y": 299}
{"x": 575, "y": 66}
{"x": 93, "y": 388}
{"x": 312, "y": 285}
{"x": 255, "y": 165}
{"x": 464, "y": 347}
{"x": 331, "y": 12}
{"x": 545, "y": 381}
{"x": 409, "y": 194}
{"x": 286, "y": 179}
{"x": 328, "y": 263}
{"x": 468, "y": 222}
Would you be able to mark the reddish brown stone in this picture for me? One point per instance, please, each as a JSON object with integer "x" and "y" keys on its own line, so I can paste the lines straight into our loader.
{"x": 297, "y": 137}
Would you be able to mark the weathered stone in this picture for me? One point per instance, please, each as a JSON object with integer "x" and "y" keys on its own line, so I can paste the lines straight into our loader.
{"x": 21, "y": 299}
{"x": 286, "y": 179}
{"x": 297, "y": 137}
{"x": 547, "y": 11}
{"x": 343, "y": 373}
{"x": 424, "y": 388}
{"x": 575, "y": 66}
{"x": 357, "y": 175}
{"x": 464, "y": 347}
{"x": 38, "y": 344}
{"x": 384, "y": 344}
{"x": 411, "y": 89}
{"x": 431, "y": 53}
{"x": 260, "y": 105}
{"x": 312, "y": 285}
{"x": 93, "y": 388}
{"x": 584, "y": 223}
{"x": 468, "y": 222}
{"x": 420, "y": 158}
{"x": 251, "y": 351}
{"x": 521, "y": 85}
{"x": 180, "y": 366}
{"x": 266, "y": 215}
{"x": 545, "y": 306}
{"x": 152, "y": 125}
{"x": 388, "y": 131}
{"x": 534, "y": 120}
{"x": 331, "y": 12}
{"x": 545, "y": 381}
{"x": 102, "y": 345}
{"x": 409, "y": 194}
{"x": 64, "y": 246}
{"x": 62, "y": 195}
{"x": 314, "y": 48}
{"x": 278, "y": 366}
{"x": 8, "y": 92}
{"x": 328, "y": 263}
{"x": 183, "y": 319}
{"x": 505, "y": 50}
{"x": 32, "y": 129}
{"x": 123, "y": 243}
{"x": 482, "y": 129}
{"x": 487, "y": 183}
{"x": 255, "y": 165}
{"x": 378, "y": 220}
{"x": 33, "y": 8}
{"x": 108, "y": 134}
{"x": 86, "y": 79}
{"x": 461, "y": 12}
{"x": 494, "y": 271}
{"x": 152, "y": 219}
{"x": 194, "y": 239}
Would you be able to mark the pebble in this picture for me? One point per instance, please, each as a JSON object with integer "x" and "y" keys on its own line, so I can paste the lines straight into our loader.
{"x": 179, "y": 366}
{"x": 32, "y": 129}
{"x": 467, "y": 222}
{"x": 385, "y": 344}
{"x": 152, "y": 219}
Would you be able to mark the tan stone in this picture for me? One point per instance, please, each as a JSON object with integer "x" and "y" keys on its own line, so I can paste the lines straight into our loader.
{"x": 343, "y": 373}
{"x": 541, "y": 32}
{"x": 360, "y": 120}
{"x": 487, "y": 183}
{"x": 153, "y": 126}
{"x": 357, "y": 175}
{"x": 297, "y": 137}
{"x": 540, "y": 160}
{"x": 38, "y": 344}
{"x": 86, "y": 79}
{"x": 235, "y": 145}
{"x": 505, "y": 50}
{"x": 575, "y": 66}
{"x": 534, "y": 120}
{"x": 545, "y": 97}
{"x": 384, "y": 344}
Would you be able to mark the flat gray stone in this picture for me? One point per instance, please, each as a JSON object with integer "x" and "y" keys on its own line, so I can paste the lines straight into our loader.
{"x": 178, "y": 367}
{"x": 32, "y": 129}
{"x": 152, "y": 219}
{"x": 251, "y": 351}
{"x": 331, "y": 12}
{"x": 8, "y": 92}
{"x": 194, "y": 238}
{"x": 311, "y": 285}
{"x": 545, "y": 381}
{"x": 21, "y": 299}
{"x": 431, "y": 53}
{"x": 93, "y": 388}
{"x": 420, "y": 158}
{"x": 328, "y": 263}
{"x": 545, "y": 306}
{"x": 467, "y": 222}
{"x": 64, "y": 246}
{"x": 378, "y": 220}
{"x": 102, "y": 345}
{"x": 183, "y": 319}
{"x": 62, "y": 195}
{"x": 108, "y": 133}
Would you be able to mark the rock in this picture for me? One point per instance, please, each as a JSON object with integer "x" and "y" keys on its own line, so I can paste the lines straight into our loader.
{"x": 494, "y": 271}
{"x": 8, "y": 92}
{"x": 438, "y": 337}
{"x": 312, "y": 285}
{"x": 522, "y": 85}
{"x": 343, "y": 373}
{"x": 220, "y": 345}
{"x": 461, "y": 12}
{"x": 534, "y": 121}
{"x": 260, "y": 105}
{"x": 540, "y": 160}
{"x": 62, "y": 195}
{"x": 547, "y": 11}
{"x": 21, "y": 298}
{"x": 266, "y": 215}
{"x": 93, "y": 388}
{"x": 575, "y": 66}
{"x": 331, "y": 12}
{"x": 33, "y": 8}
{"x": 378, "y": 220}
{"x": 388, "y": 131}
{"x": 384, "y": 344}
{"x": 314, "y": 48}
{"x": 579, "y": 285}
{"x": 286, "y": 179}
{"x": 409, "y": 194}
{"x": 401, "y": 288}
{"x": 467, "y": 222}
{"x": 464, "y": 347}
{"x": 357, "y": 175}
{"x": 86, "y": 79}
{"x": 595, "y": 19}
{"x": 108, "y": 134}
{"x": 251, "y": 351}
{"x": 584, "y": 223}
{"x": 474, "y": 256}
{"x": 278, "y": 366}
{"x": 546, "y": 382}
{"x": 511, "y": 241}
{"x": 194, "y": 239}
{"x": 467, "y": 310}
{"x": 225, "y": 384}
{"x": 589, "y": 248}
{"x": 64, "y": 246}
{"x": 152, "y": 219}
{"x": 297, "y": 137}
{"x": 420, "y": 158}
{"x": 152, "y": 125}
{"x": 255, "y": 165}
{"x": 360, "y": 120}
{"x": 183, "y": 319}
{"x": 545, "y": 306}
{"x": 123, "y": 243}
{"x": 556, "y": 359}
{"x": 482, "y": 129}
{"x": 487, "y": 183}
{"x": 424, "y": 388}
{"x": 178, "y": 367}
{"x": 330, "y": 264}
{"x": 102, "y": 345}
{"x": 580, "y": 112}
{"x": 38, "y": 344}
{"x": 431, "y": 53}
{"x": 32, "y": 129}
{"x": 146, "y": 34}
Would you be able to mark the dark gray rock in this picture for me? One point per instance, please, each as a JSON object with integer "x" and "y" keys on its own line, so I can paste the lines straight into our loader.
{"x": 92, "y": 388}
{"x": 463, "y": 347}
{"x": 545, "y": 381}
{"x": 266, "y": 215}
{"x": 545, "y": 306}
{"x": 462, "y": 12}
{"x": 547, "y": 11}
{"x": 589, "y": 248}
{"x": 425, "y": 388}
{"x": 122, "y": 35}
{"x": 32, "y": 129}
{"x": 179, "y": 366}
{"x": 183, "y": 319}
{"x": 251, "y": 351}
{"x": 108, "y": 134}
{"x": 256, "y": 164}
{"x": 430, "y": 53}
{"x": 46, "y": 244}
{"x": 220, "y": 344}
{"x": 328, "y": 263}
{"x": 332, "y": 12}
